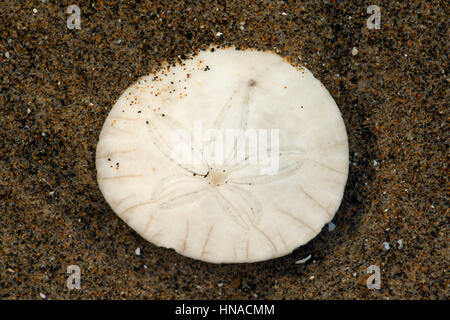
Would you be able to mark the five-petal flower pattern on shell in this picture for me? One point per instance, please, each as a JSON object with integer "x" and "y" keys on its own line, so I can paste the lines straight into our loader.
{"x": 227, "y": 183}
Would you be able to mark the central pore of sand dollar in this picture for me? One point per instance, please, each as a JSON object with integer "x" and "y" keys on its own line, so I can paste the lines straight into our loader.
{"x": 216, "y": 178}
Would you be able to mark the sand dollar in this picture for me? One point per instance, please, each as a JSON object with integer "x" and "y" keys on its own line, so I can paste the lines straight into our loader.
{"x": 229, "y": 156}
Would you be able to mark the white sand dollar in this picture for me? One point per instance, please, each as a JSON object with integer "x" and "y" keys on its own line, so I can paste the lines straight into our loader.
{"x": 230, "y": 156}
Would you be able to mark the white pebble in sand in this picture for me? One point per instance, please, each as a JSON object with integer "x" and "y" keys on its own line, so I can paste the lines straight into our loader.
{"x": 303, "y": 260}
{"x": 331, "y": 226}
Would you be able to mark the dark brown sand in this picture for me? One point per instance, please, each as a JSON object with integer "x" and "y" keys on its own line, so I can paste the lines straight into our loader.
{"x": 57, "y": 86}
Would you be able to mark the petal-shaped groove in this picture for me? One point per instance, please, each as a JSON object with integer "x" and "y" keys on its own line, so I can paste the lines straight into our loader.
{"x": 172, "y": 184}
{"x": 208, "y": 236}
{"x": 149, "y": 222}
{"x": 183, "y": 198}
{"x": 295, "y": 218}
{"x": 267, "y": 237}
{"x": 315, "y": 201}
{"x": 125, "y": 213}
{"x": 162, "y": 144}
{"x": 290, "y": 161}
{"x": 186, "y": 234}
{"x": 234, "y": 115}
{"x": 224, "y": 110}
{"x": 246, "y": 202}
{"x": 325, "y": 166}
{"x": 230, "y": 209}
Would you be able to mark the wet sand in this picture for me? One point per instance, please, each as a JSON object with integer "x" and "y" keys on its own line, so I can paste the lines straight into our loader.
{"x": 57, "y": 86}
